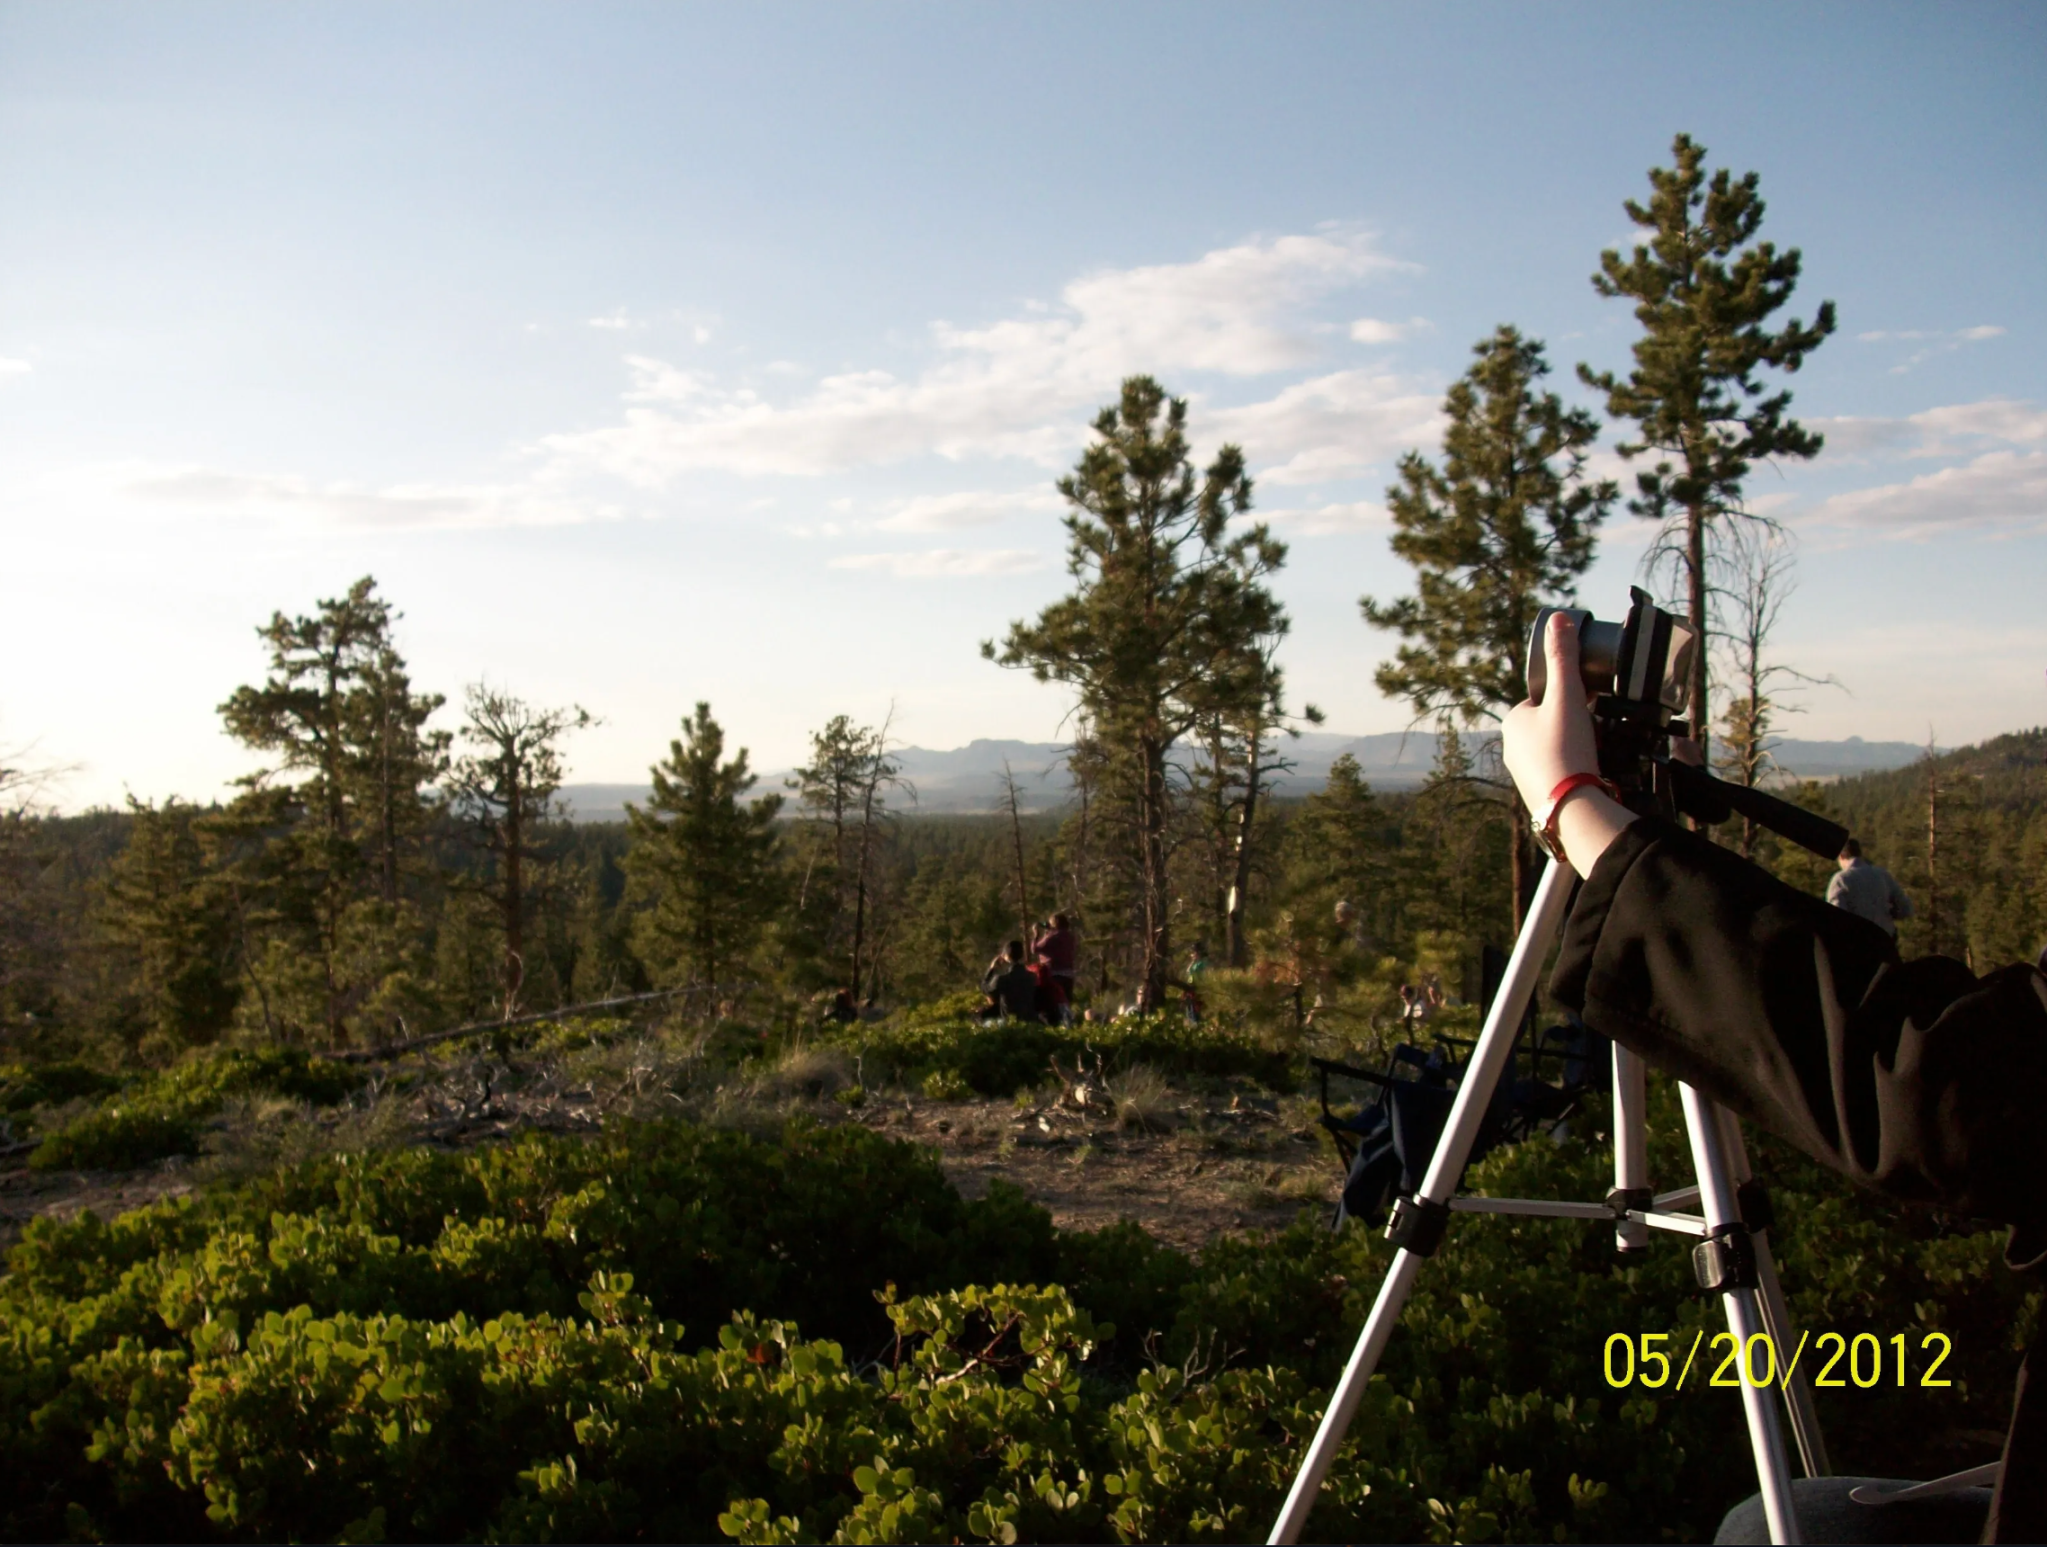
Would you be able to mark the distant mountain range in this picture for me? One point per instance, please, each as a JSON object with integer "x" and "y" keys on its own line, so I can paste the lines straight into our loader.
{"x": 969, "y": 778}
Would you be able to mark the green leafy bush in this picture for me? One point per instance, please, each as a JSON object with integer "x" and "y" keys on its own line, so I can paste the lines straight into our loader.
{"x": 164, "y": 1116}
{"x": 25, "y": 1086}
{"x": 597, "y": 1339}
{"x": 999, "y": 1058}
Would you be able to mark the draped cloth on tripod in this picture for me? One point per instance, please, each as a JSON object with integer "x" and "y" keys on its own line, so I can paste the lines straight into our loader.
{"x": 1918, "y": 1078}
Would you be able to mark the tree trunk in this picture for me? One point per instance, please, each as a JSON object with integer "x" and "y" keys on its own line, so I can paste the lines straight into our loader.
{"x": 514, "y": 885}
{"x": 1240, "y": 884}
{"x": 1023, "y": 901}
{"x": 1157, "y": 884}
{"x": 387, "y": 797}
{"x": 860, "y": 881}
{"x": 1695, "y": 565}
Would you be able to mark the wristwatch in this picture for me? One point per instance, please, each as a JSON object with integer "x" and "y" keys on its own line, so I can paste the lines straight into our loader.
{"x": 1544, "y": 821}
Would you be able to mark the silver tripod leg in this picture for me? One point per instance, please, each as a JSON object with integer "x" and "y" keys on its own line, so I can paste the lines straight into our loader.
{"x": 1418, "y": 1224}
{"x": 1805, "y": 1418}
{"x": 1630, "y": 1145}
{"x": 1744, "y": 1312}
{"x": 1474, "y": 1093}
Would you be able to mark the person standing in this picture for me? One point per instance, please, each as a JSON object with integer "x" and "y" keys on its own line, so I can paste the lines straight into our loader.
{"x": 1058, "y": 955}
{"x": 1197, "y": 969}
{"x": 1867, "y": 890}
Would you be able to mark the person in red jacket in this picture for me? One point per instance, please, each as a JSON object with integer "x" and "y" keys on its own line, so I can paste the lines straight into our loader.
{"x": 1057, "y": 954}
{"x": 1918, "y": 1078}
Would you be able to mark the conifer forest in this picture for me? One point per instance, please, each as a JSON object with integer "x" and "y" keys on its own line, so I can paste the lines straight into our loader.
{"x": 388, "y": 1155}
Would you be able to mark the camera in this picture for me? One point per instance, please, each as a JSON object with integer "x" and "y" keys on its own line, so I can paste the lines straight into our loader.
{"x": 1645, "y": 661}
{"x": 1638, "y": 676}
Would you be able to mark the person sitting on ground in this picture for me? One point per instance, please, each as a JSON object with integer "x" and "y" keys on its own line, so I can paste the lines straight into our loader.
{"x": 1867, "y": 890}
{"x": 1011, "y": 986}
{"x": 1057, "y": 955}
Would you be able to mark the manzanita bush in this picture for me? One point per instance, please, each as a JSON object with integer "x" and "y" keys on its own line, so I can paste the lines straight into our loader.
{"x": 672, "y": 1332}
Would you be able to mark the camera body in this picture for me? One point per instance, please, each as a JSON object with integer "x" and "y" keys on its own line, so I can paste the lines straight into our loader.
{"x": 1642, "y": 663}
{"x": 1638, "y": 677}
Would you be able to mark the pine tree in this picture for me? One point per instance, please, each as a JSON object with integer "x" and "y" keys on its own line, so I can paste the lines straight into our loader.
{"x": 505, "y": 792}
{"x": 395, "y": 763}
{"x": 1449, "y": 855}
{"x": 339, "y": 818}
{"x": 162, "y": 909}
{"x": 706, "y": 865}
{"x": 1507, "y": 524}
{"x": 1703, "y": 295}
{"x": 841, "y": 793}
{"x": 1337, "y": 846}
{"x": 1169, "y": 620}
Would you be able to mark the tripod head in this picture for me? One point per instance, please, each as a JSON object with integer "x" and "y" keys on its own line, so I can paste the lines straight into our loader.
{"x": 1637, "y": 676}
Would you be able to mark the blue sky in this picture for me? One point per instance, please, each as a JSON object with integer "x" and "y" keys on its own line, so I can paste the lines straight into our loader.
{"x": 648, "y": 353}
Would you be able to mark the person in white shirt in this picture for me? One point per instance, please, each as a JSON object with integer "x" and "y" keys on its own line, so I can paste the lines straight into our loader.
{"x": 1867, "y": 890}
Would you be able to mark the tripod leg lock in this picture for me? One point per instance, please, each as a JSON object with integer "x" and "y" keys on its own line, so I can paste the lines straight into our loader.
{"x": 1418, "y": 1225}
{"x": 1726, "y": 1259}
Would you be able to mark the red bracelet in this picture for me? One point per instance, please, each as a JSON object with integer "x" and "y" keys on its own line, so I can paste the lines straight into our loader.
{"x": 1545, "y": 820}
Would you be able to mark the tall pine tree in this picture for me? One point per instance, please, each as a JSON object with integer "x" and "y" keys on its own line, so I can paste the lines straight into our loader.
{"x": 162, "y": 908}
{"x": 505, "y": 790}
{"x": 1169, "y": 620}
{"x": 325, "y": 837}
{"x": 1506, "y": 524}
{"x": 705, "y": 864}
{"x": 1704, "y": 291}
{"x": 842, "y": 794}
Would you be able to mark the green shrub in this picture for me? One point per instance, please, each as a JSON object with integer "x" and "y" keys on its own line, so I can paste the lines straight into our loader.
{"x": 999, "y": 1058}
{"x": 163, "y": 1116}
{"x": 24, "y": 1086}
{"x": 564, "y": 1339}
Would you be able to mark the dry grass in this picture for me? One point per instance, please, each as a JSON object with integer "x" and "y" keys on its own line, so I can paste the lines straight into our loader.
{"x": 808, "y": 1070}
{"x": 1144, "y": 1100}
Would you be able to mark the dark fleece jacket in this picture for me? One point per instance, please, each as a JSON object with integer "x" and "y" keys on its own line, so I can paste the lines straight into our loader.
{"x": 1918, "y": 1078}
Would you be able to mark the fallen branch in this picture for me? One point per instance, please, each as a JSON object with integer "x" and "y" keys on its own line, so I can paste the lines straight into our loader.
{"x": 479, "y": 1028}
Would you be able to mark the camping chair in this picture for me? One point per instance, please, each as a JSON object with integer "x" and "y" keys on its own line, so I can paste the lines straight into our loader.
{"x": 1385, "y": 1144}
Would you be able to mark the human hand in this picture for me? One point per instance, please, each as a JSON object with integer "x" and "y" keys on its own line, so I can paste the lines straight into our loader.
{"x": 1543, "y": 744}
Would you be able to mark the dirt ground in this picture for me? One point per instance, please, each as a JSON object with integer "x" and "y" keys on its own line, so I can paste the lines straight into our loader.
{"x": 1219, "y": 1166}
{"x": 1190, "y": 1168}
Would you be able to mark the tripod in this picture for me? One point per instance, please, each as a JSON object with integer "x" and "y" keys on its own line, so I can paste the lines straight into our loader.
{"x": 1732, "y": 1255}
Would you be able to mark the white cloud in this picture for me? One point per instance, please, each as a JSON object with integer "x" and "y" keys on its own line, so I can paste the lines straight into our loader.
{"x": 1937, "y": 341}
{"x": 614, "y": 322}
{"x": 972, "y": 507}
{"x": 14, "y": 367}
{"x": 1011, "y": 389}
{"x": 936, "y": 563}
{"x": 1921, "y": 335}
{"x": 1330, "y": 520}
{"x": 394, "y": 506}
{"x": 1371, "y": 330}
{"x": 1935, "y": 432}
{"x": 2002, "y": 492}
{"x": 1329, "y": 427}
